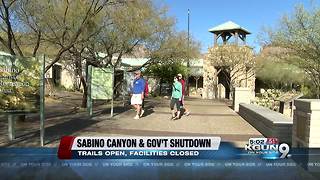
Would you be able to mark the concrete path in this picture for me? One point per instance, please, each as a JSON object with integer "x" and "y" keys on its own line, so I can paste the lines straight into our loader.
{"x": 207, "y": 118}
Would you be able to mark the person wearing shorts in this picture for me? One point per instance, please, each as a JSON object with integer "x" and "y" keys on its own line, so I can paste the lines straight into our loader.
{"x": 176, "y": 98}
{"x": 137, "y": 93}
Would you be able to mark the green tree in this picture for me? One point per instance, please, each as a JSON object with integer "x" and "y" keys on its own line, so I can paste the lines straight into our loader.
{"x": 299, "y": 35}
{"x": 129, "y": 26}
{"x": 8, "y": 36}
{"x": 166, "y": 71}
{"x": 139, "y": 24}
{"x": 77, "y": 31}
{"x": 275, "y": 72}
{"x": 60, "y": 24}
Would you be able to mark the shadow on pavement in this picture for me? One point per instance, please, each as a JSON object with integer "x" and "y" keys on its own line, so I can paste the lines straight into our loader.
{"x": 116, "y": 111}
{"x": 199, "y": 114}
{"x": 54, "y": 133}
{"x": 148, "y": 110}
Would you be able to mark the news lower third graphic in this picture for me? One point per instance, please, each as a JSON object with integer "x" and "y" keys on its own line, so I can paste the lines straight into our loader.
{"x": 268, "y": 148}
{"x": 138, "y": 147}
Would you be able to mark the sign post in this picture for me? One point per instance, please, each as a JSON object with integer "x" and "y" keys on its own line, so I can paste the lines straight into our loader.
{"x": 111, "y": 113}
{"x": 123, "y": 87}
{"x": 11, "y": 128}
{"x": 42, "y": 102}
{"x": 128, "y": 79}
{"x": 89, "y": 99}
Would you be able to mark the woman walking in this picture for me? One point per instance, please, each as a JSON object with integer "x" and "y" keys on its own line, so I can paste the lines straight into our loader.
{"x": 176, "y": 98}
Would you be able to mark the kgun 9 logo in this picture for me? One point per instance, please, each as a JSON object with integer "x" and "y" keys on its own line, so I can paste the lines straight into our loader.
{"x": 269, "y": 148}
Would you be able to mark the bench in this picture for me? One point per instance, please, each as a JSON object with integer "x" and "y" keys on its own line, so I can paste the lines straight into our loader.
{"x": 267, "y": 122}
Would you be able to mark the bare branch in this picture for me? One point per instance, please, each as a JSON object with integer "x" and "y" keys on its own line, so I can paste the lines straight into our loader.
{"x": 36, "y": 47}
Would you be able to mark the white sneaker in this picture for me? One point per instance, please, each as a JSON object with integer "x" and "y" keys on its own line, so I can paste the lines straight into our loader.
{"x": 142, "y": 112}
{"x": 136, "y": 117}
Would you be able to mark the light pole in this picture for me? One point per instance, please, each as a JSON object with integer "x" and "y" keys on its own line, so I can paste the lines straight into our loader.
{"x": 188, "y": 54}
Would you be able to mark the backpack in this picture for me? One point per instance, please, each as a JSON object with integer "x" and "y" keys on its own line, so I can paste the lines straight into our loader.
{"x": 146, "y": 88}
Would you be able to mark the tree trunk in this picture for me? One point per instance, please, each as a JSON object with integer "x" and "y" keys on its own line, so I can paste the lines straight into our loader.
{"x": 78, "y": 72}
{"x": 318, "y": 92}
{"x": 231, "y": 92}
{"x": 196, "y": 84}
{"x": 215, "y": 86}
{"x": 85, "y": 93}
{"x": 160, "y": 86}
{"x": 85, "y": 88}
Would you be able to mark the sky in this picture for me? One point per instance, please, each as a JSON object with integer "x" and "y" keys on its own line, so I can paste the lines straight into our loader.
{"x": 250, "y": 14}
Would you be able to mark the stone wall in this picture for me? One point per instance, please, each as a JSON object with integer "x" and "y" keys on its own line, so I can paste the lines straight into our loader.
{"x": 268, "y": 122}
{"x": 306, "y": 123}
{"x": 221, "y": 91}
{"x": 68, "y": 78}
{"x": 241, "y": 95}
{"x": 306, "y": 130}
{"x": 242, "y": 77}
{"x": 209, "y": 80}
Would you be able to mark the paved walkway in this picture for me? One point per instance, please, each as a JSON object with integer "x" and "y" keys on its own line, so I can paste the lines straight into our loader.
{"x": 208, "y": 118}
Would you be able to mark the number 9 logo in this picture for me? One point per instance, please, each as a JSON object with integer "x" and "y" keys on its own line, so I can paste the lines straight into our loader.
{"x": 284, "y": 150}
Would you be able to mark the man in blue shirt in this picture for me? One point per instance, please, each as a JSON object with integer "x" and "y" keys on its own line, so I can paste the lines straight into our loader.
{"x": 137, "y": 94}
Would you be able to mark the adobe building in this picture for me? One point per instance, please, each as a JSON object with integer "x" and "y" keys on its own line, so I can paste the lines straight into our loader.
{"x": 229, "y": 63}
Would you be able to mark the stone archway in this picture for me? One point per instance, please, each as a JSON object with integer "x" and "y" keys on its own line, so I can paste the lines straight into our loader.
{"x": 229, "y": 65}
{"x": 224, "y": 79}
